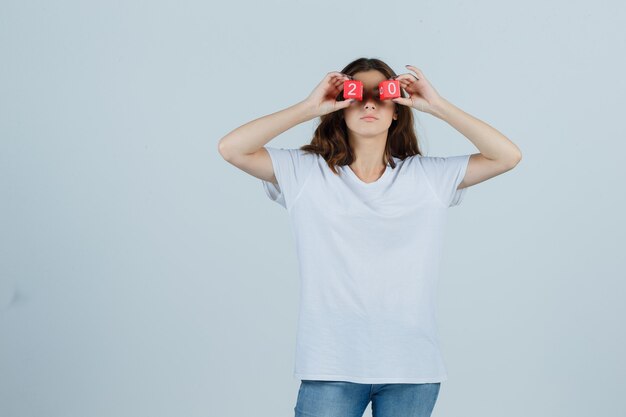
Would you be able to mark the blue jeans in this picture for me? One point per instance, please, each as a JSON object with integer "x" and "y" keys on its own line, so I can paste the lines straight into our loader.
{"x": 350, "y": 399}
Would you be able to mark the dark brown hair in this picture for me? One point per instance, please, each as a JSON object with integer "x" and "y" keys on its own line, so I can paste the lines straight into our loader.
{"x": 330, "y": 139}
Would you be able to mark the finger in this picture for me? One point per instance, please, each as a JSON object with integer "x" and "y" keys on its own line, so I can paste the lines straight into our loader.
{"x": 331, "y": 77}
{"x": 403, "y": 100}
{"x": 337, "y": 74}
{"x": 339, "y": 105}
{"x": 408, "y": 77}
{"x": 414, "y": 69}
{"x": 337, "y": 89}
{"x": 407, "y": 85}
{"x": 334, "y": 84}
{"x": 338, "y": 82}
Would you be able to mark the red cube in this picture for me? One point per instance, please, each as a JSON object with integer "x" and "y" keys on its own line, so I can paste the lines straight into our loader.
{"x": 353, "y": 89}
{"x": 389, "y": 89}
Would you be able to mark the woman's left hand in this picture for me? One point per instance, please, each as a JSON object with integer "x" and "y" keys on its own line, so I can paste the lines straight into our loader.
{"x": 422, "y": 95}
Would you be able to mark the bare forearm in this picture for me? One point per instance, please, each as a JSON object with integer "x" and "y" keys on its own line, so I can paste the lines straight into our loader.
{"x": 489, "y": 141}
{"x": 250, "y": 137}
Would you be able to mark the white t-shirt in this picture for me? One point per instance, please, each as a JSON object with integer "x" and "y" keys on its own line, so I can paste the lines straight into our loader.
{"x": 368, "y": 256}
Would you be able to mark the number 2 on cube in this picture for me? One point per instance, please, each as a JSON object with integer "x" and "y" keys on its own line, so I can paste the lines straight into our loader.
{"x": 353, "y": 89}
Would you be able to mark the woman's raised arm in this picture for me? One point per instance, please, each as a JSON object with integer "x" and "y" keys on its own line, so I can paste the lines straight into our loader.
{"x": 243, "y": 147}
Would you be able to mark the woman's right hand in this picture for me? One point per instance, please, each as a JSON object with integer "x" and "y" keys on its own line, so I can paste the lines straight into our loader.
{"x": 322, "y": 98}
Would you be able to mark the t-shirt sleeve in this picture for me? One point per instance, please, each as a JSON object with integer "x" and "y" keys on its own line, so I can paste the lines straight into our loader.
{"x": 444, "y": 175}
{"x": 291, "y": 169}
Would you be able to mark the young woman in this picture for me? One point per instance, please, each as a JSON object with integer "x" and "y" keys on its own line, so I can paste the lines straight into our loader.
{"x": 368, "y": 213}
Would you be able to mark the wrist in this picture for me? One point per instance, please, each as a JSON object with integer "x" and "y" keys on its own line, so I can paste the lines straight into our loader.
{"x": 306, "y": 110}
{"x": 441, "y": 108}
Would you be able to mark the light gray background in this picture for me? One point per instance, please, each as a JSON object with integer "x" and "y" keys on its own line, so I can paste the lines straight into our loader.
{"x": 142, "y": 275}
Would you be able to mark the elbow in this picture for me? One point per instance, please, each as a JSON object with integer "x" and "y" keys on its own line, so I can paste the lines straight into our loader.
{"x": 515, "y": 159}
{"x": 222, "y": 149}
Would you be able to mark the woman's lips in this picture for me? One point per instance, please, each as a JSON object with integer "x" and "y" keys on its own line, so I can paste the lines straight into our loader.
{"x": 369, "y": 118}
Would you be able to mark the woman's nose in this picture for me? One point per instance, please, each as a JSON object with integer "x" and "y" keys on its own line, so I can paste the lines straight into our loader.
{"x": 369, "y": 101}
